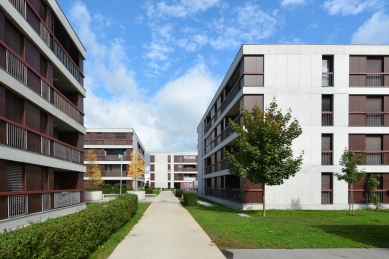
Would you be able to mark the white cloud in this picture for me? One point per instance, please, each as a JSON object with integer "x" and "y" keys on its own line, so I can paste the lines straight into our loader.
{"x": 346, "y": 7}
{"x": 165, "y": 121}
{"x": 373, "y": 31}
{"x": 292, "y": 2}
{"x": 181, "y": 9}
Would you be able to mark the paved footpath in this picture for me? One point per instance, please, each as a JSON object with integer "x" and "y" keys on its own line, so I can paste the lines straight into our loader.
{"x": 167, "y": 230}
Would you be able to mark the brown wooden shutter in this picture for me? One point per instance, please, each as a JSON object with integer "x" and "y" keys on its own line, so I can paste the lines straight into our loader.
{"x": 13, "y": 38}
{"x": 326, "y": 181}
{"x": 326, "y": 103}
{"x": 326, "y": 142}
{"x": 374, "y": 65}
{"x": 14, "y": 177}
{"x": 152, "y": 168}
{"x": 373, "y": 143}
{"x": 373, "y": 104}
{"x": 13, "y": 107}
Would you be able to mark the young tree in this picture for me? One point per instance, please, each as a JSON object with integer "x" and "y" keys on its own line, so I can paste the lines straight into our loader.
{"x": 372, "y": 185}
{"x": 93, "y": 173}
{"x": 350, "y": 173}
{"x": 262, "y": 152}
{"x": 136, "y": 169}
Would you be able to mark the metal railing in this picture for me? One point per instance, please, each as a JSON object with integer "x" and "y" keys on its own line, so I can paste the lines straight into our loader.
{"x": 62, "y": 104}
{"x": 327, "y": 79}
{"x": 113, "y": 173}
{"x": 221, "y": 165}
{"x": 326, "y": 119}
{"x": 46, "y": 91}
{"x": 15, "y": 136}
{"x": 64, "y": 199}
{"x": 45, "y": 146}
{"x": 374, "y": 158}
{"x": 65, "y": 60}
{"x": 45, "y": 34}
{"x": 379, "y": 193}
{"x": 374, "y": 80}
{"x": 326, "y": 158}
{"x": 111, "y": 158}
{"x": 374, "y": 119}
{"x": 20, "y": 6}
{"x": 66, "y": 153}
{"x": 17, "y": 205}
{"x": 15, "y": 67}
{"x": 46, "y": 201}
{"x": 108, "y": 142}
{"x": 326, "y": 197}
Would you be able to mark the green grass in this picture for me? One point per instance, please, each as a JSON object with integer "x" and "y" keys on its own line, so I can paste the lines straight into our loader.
{"x": 293, "y": 228}
{"x": 107, "y": 248}
{"x": 157, "y": 192}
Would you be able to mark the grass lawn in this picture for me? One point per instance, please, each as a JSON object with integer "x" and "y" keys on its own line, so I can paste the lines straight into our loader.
{"x": 157, "y": 192}
{"x": 107, "y": 248}
{"x": 292, "y": 228}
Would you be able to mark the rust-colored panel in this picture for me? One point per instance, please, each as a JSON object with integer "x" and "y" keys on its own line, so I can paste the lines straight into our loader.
{"x": 80, "y": 103}
{"x": 2, "y": 132}
{"x": 152, "y": 176}
{"x": 354, "y": 80}
{"x": 362, "y": 80}
{"x": 32, "y": 116}
{"x": 353, "y": 119}
{"x": 354, "y": 103}
{"x": 152, "y": 169}
{"x": 251, "y": 100}
{"x": 249, "y": 185}
{"x": 2, "y": 57}
{"x": 152, "y": 159}
{"x": 3, "y": 182}
{"x": 362, "y": 103}
{"x": 82, "y": 197}
{"x": 2, "y": 26}
{"x": 32, "y": 177}
{"x": 50, "y": 125}
{"x": 386, "y": 64}
{"x": 3, "y": 207}
{"x": 2, "y": 101}
{"x": 50, "y": 72}
{"x": 73, "y": 97}
{"x": 33, "y": 142}
{"x": 32, "y": 19}
{"x": 362, "y": 64}
{"x": 152, "y": 185}
{"x": 33, "y": 81}
{"x": 32, "y": 55}
{"x": 386, "y": 78}
{"x": 385, "y": 141}
{"x": 354, "y": 64}
{"x": 81, "y": 64}
{"x": 385, "y": 186}
{"x": 359, "y": 197}
{"x": 80, "y": 184}
{"x": 50, "y": 176}
{"x": 175, "y": 159}
{"x": 50, "y": 19}
{"x": 252, "y": 197}
{"x": 34, "y": 203}
{"x": 353, "y": 142}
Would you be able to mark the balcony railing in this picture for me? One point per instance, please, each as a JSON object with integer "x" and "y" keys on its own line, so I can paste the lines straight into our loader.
{"x": 227, "y": 194}
{"x": 48, "y": 38}
{"x": 17, "y": 137}
{"x": 327, "y": 79}
{"x": 108, "y": 142}
{"x": 115, "y": 173}
{"x": 219, "y": 166}
{"x": 18, "y": 69}
{"x": 326, "y": 196}
{"x": 326, "y": 157}
{"x": 111, "y": 158}
{"x": 374, "y": 80}
{"x": 374, "y": 158}
{"x": 375, "y": 119}
{"x": 379, "y": 193}
{"x": 326, "y": 119}
{"x": 17, "y": 205}
{"x": 65, "y": 199}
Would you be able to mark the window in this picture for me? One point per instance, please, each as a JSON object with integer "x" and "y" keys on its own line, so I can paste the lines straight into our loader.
{"x": 377, "y": 192}
{"x": 327, "y": 71}
{"x": 168, "y": 177}
{"x": 180, "y": 159}
{"x": 326, "y": 147}
{"x": 168, "y": 167}
{"x": 168, "y": 159}
{"x": 374, "y": 115}
{"x": 374, "y": 69}
{"x": 326, "y": 108}
{"x": 326, "y": 188}
{"x": 374, "y": 150}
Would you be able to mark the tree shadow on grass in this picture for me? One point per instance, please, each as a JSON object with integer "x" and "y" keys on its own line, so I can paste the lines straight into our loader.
{"x": 371, "y": 235}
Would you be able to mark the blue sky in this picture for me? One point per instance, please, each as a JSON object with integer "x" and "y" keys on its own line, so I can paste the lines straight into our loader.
{"x": 155, "y": 65}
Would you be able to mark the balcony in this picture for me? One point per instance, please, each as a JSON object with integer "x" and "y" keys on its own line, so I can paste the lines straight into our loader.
{"x": 378, "y": 157}
{"x": 18, "y": 69}
{"x": 327, "y": 79}
{"x": 190, "y": 178}
{"x": 113, "y": 173}
{"x": 326, "y": 157}
{"x": 17, "y": 137}
{"x": 227, "y": 194}
{"x": 111, "y": 158}
{"x": 326, "y": 196}
{"x": 379, "y": 193}
{"x": 108, "y": 142}
{"x": 221, "y": 165}
{"x": 326, "y": 119}
{"x": 375, "y": 119}
{"x": 375, "y": 80}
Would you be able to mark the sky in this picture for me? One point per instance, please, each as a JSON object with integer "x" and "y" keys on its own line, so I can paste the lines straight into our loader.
{"x": 154, "y": 66}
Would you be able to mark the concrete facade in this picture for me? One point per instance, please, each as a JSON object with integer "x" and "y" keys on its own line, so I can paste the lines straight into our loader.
{"x": 296, "y": 76}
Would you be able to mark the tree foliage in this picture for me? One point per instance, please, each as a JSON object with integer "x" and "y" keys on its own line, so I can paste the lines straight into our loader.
{"x": 372, "y": 185}
{"x": 136, "y": 168}
{"x": 262, "y": 152}
{"x": 350, "y": 173}
{"x": 93, "y": 174}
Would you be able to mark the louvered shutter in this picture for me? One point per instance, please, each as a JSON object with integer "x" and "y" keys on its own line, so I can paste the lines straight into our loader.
{"x": 13, "y": 107}
{"x": 374, "y": 65}
{"x": 14, "y": 177}
{"x": 43, "y": 178}
{"x": 326, "y": 182}
{"x": 326, "y": 103}
{"x": 13, "y": 38}
{"x": 373, "y": 104}
{"x": 373, "y": 143}
{"x": 326, "y": 142}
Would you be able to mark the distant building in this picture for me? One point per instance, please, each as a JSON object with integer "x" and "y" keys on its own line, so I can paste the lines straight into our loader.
{"x": 173, "y": 170}
{"x": 108, "y": 144}
{"x": 41, "y": 113}
{"x": 340, "y": 96}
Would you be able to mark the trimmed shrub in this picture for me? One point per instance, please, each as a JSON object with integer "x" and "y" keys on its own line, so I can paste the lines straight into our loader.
{"x": 149, "y": 191}
{"x": 106, "y": 186}
{"x": 116, "y": 188}
{"x": 190, "y": 198}
{"x": 178, "y": 193}
{"x": 75, "y": 235}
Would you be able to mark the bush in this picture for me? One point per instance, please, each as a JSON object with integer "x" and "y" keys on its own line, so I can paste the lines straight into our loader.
{"x": 190, "y": 198}
{"x": 149, "y": 190}
{"x": 75, "y": 235}
{"x": 106, "y": 186}
{"x": 178, "y": 193}
{"x": 116, "y": 188}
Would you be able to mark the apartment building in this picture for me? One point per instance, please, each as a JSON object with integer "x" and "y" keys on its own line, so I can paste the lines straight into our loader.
{"x": 41, "y": 113}
{"x": 173, "y": 170}
{"x": 109, "y": 145}
{"x": 340, "y": 96}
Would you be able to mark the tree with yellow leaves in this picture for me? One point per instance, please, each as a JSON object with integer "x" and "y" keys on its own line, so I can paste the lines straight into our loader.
{"x": 93, "y": 174}
{"x": 136, "y": 169}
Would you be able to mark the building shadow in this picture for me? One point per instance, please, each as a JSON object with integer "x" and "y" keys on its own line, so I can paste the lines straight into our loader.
{"x": 227, "y": 254}
{"x": 295, "y": 204}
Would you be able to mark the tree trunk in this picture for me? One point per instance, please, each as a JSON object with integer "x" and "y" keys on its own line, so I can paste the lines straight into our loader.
{"x": 263, "y": 201}
{"x": 352, "y": 199}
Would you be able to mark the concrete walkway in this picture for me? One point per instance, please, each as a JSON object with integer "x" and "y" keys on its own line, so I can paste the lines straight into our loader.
{"x": 167, "y": 230}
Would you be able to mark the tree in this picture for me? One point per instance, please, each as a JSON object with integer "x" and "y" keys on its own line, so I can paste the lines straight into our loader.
{"x": 350, "y": 173}
{"x": 372, "y": 185}
{"x": 147, "y": 185}
{"x": 262, "y": 151}
{"x": 93, "y": 174}
{"x": 136, "y": 169}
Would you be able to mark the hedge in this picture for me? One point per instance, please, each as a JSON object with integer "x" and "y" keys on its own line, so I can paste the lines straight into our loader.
{"x": 178, "y": 193}
{"x": 149, "y": 191}
{"x": 190, "y": 198}
{"x": 75, "y": 235}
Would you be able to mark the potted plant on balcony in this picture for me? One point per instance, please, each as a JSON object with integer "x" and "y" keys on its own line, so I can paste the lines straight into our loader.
{"x": 93, "y": 178}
